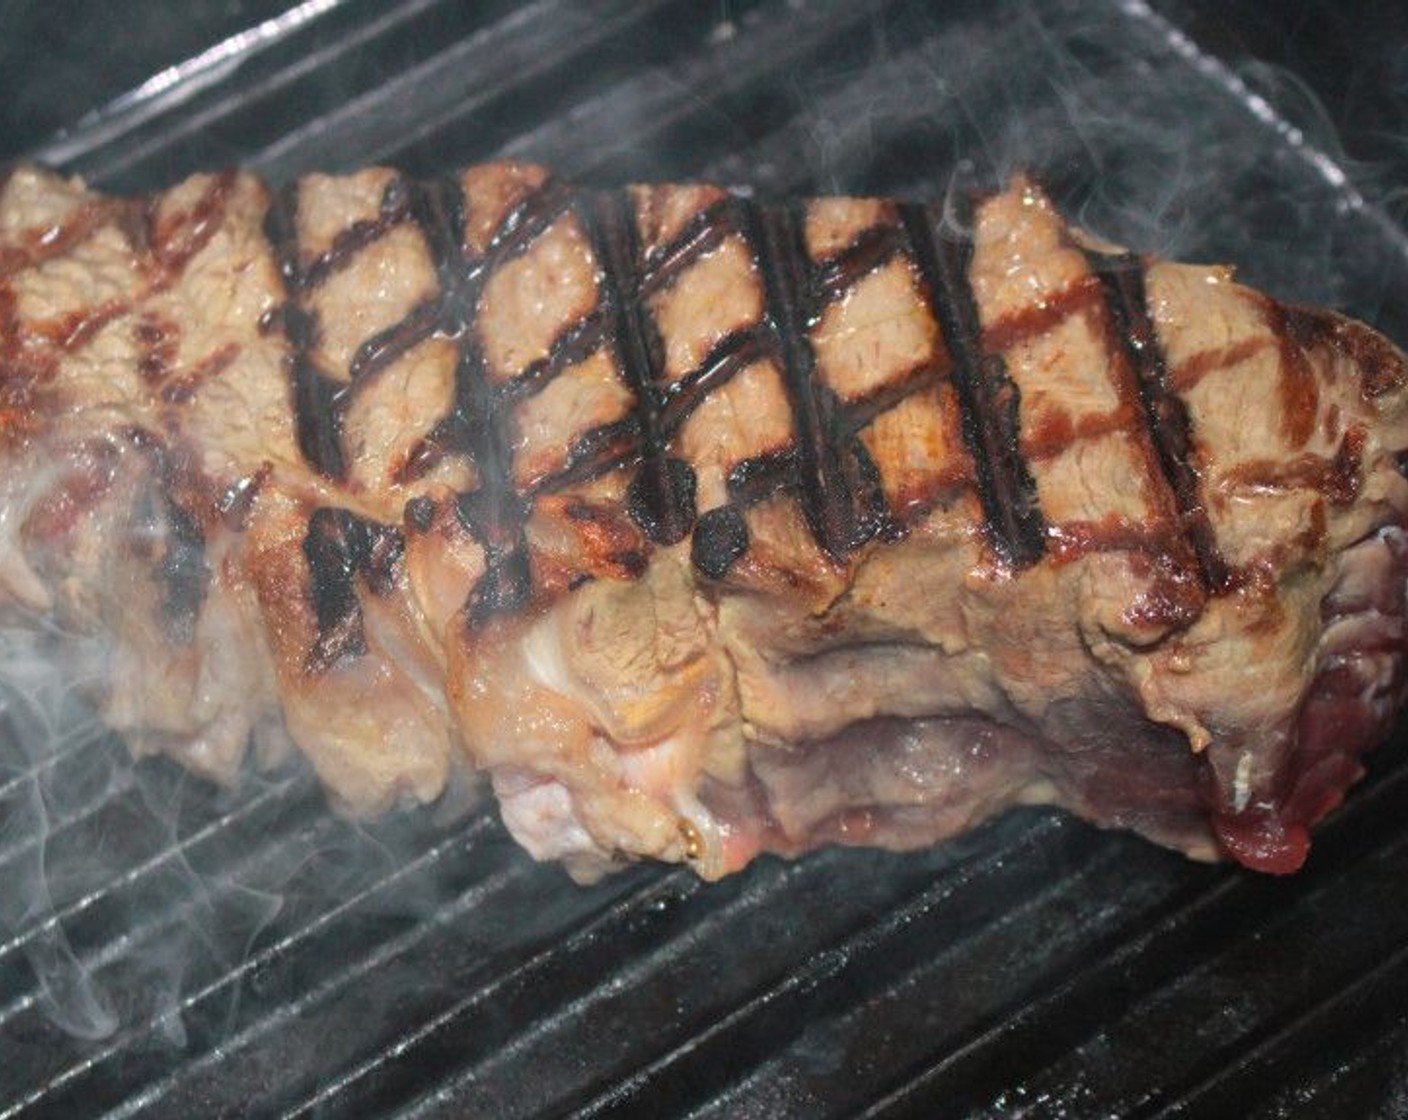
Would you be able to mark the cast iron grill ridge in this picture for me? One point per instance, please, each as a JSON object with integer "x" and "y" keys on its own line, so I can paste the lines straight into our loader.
{"x": 1034, "y": 968}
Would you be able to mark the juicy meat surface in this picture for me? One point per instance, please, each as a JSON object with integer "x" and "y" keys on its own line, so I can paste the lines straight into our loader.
{"x": 702, "y": 527}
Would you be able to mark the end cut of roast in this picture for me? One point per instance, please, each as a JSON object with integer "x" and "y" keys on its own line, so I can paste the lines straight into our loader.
{"x": 701, "y": 526}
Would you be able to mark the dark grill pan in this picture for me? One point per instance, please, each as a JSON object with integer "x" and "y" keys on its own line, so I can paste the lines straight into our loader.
{"x": 168, "y": 949}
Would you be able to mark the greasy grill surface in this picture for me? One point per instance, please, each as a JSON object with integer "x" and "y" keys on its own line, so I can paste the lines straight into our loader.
{"x": 249, "y": 953}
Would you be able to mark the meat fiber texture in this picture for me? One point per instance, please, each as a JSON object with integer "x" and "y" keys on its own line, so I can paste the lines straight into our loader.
{"x": 702, "y": 527}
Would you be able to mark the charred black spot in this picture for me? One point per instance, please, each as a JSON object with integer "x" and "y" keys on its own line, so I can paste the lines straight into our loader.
{"x": 720, "y": 538}
{"x": 420, "y": 514}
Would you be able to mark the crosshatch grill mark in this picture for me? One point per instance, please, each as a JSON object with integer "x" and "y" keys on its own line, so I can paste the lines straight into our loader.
{"x": 826, "y": 468}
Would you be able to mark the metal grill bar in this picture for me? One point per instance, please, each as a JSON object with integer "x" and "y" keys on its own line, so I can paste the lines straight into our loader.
{"x": 1060, "y": 1032}
{"x": 280, "y": 1012}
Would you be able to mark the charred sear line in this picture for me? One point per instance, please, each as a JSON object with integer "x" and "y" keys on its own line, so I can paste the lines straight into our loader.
{"x": 841, "y": 507}
{"x": 472, "y": 426}
{"x": 281, "y": 233}
{"x": 668, "y": 487}
{"x": 339, "y": 547}
{"x": 1170, "y": 427}
{"x": 1041, "y": 317}
{"x": 593, "y": 453}
{"x": 872, "y": 249}
{"x": 321, "y": 402}
{"x": 44, "y": 243}
{"x": 331, "y": 549}
{"x": 169, "y": 536}
{"x": 388, "y": 346}
{"x": 494, "y": 514}
{"x": 175, "y": 546}
{"x": 394, "y": 209}
{"x": 756, "y": 479}
{"x": 184, "y": 572}
{"x": 316, "y": 415}
{"x": 987, "y": 397}
{"x": 183, "y": 388}
{"x": 177, "y": 241}
{"x": 702, "y": 234}
{"x": 661, "y": 498}
{"x": 727, "y": 357}
{"x": 866, "y": 407}
{"x": 576, "y": 342}
{"x": 663, "y": 490}
{"x": 1381, "y": 366}
{"x": 158, "y": 342}
{"x": 1300, "y": 396}
{"x": 534, "y": 215}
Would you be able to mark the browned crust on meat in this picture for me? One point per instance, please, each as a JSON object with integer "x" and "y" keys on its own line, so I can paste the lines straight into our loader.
{"x": 548, "y": 388}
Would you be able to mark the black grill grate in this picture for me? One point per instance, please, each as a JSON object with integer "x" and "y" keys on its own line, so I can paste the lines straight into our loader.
{"x": 250, "y": 954}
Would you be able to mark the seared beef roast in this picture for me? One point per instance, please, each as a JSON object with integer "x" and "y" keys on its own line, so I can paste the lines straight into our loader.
{"x": 704, "y": 527}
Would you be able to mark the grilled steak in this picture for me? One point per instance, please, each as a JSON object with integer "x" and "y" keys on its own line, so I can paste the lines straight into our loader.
{"x": 703, "y": 527}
